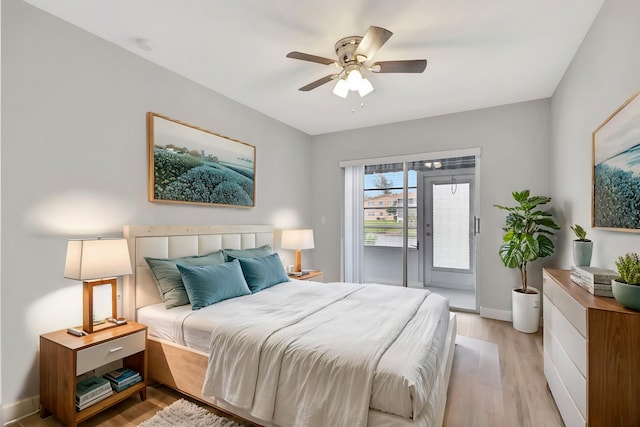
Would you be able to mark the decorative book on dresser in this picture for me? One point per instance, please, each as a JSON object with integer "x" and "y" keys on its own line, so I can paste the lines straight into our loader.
{"x": 591, "y": 354}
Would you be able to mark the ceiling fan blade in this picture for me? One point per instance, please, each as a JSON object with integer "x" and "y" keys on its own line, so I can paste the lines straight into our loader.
{"x": 372, "y": 41}
{"x": 409, "y": 66}
{"x": 319, "y": 82}
{"x": 310, "y": 58}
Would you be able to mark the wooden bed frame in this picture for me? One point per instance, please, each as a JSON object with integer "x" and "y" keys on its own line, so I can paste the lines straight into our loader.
{"x": 179, "y": 367}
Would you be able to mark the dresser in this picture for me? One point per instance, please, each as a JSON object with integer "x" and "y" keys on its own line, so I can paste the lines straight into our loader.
{"x": 591, "y": 354}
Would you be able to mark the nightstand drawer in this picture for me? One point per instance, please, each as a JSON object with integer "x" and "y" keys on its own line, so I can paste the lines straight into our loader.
{"x": 101, "y": 354}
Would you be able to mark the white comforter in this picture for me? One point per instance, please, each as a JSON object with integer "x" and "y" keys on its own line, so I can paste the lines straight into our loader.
{"x": 307, "y": 354}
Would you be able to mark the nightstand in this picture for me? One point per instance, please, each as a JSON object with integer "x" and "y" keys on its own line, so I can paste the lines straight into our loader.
{"x": 64, "y": 356}
{"x": 315, "y": 275}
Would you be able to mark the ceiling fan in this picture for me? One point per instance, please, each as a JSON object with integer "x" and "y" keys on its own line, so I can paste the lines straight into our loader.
{"x": 353, "y": 54}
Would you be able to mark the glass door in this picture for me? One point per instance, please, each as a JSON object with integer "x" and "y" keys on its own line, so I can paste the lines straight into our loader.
{"x": 448, "y": 231}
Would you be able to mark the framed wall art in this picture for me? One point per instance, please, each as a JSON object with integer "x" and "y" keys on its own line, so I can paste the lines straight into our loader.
{"x": 616, "y": 169}
{"x": 188, "y": 164}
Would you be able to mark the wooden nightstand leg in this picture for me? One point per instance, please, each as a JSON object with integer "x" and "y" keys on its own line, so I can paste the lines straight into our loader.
{"x": 143, "y": 394}
{"x": 44, "y": 412}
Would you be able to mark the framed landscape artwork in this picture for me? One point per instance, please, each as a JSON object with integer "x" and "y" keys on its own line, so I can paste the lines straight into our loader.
{"x": 188, "y": 164}
{"x": 616, "y": 169}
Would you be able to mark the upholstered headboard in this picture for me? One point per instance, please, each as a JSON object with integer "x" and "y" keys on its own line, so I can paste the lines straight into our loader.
{"x": 170, "y": 241}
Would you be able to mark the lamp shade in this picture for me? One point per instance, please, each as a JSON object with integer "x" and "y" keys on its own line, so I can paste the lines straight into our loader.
{"x": 297, "y": 239}
{"x": 96, "y": 259}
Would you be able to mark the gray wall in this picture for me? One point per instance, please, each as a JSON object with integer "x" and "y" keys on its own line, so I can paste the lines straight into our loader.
{"x": 603, "y": 75}
{"x": 74, "y": 164}
{"x": 515, "y": 155}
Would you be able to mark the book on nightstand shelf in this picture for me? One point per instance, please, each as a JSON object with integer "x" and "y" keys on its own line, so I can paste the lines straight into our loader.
{"x": 96, "y": 399}
{"x": 91, "y": 390}
{"x": 594, "y": 280}
{"x": 122, "y": 378}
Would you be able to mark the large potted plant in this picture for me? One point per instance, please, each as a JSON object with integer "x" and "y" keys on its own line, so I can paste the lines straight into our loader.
{"x": 626, "y": 288}
{"x": 582, "y": 247}
{"x": 526, "y": 239}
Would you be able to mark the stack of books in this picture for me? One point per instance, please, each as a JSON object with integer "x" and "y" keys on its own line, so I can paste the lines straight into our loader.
{"x": 122, "y": 378}
{"x": 90, "y": 391}
{"x": 595, "y": 280}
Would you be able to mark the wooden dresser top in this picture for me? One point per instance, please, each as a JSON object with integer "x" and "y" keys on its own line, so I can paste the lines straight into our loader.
{"x": 588, "y": 300}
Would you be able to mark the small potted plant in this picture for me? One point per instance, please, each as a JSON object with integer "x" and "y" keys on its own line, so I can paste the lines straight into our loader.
{"x": 626, "y": 288}
{"x": 582, "y": 247}
{"x": 525, "y": 240}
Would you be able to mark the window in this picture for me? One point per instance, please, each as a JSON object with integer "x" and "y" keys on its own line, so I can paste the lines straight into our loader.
{"x": 384, "y": 184}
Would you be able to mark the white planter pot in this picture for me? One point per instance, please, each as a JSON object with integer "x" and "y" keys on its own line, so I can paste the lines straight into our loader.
{"x": 525, "y": 309}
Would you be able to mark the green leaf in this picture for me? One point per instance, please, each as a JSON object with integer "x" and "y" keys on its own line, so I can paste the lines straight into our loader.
{"x": 530, "y": 248}
{"x": 521, "y": 196}
{"x": 511, "y": 255}
{"x": 545, "y": 246}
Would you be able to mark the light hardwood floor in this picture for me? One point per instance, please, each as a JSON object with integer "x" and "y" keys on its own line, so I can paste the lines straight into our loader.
{"x": 515, "y": 395}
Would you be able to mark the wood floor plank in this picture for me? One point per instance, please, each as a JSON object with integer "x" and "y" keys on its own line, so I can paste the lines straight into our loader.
{"x": 513, "y": 395}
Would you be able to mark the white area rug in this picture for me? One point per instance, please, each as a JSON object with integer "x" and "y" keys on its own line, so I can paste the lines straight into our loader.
{"x": 183, "y": 413}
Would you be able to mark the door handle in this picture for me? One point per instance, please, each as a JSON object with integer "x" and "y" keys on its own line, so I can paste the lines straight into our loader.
{"x": 476, "y": 225}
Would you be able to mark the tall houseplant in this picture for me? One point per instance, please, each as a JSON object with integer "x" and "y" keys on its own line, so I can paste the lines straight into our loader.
{"x": 525, "y": 240}
{"x": 526, "y": 233}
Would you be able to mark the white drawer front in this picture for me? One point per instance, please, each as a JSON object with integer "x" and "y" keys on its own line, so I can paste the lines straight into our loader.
{"x": 574, "y": 344}
{"x": 570, "y": 308}
{"x": 110, "y": 351}
{"x": 568, "y": 410}
{"x": 573, "y": 380}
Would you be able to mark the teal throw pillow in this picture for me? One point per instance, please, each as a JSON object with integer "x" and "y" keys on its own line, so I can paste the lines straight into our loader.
{"x": 247, "y": 253}
{"x": 263, "y": 272}
{"x": 168, "y": 277}
{"x": 212, "y": 283}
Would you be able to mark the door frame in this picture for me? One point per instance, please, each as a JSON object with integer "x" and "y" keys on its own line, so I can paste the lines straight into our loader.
{"x": 473, "y": 151}
{"x": 423, "y": 250}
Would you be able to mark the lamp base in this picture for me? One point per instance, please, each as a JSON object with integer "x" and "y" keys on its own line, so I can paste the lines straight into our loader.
{"x": 88, "y": 323}
{"x": 297, "y": 266}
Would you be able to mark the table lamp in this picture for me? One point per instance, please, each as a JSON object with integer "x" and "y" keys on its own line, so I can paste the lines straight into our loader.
{"x": 96, "y": 262}
{"x": 298, "y": 240}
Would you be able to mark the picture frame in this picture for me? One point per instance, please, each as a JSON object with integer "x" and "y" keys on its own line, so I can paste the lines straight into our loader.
{"x": 616, "y": 169}
{"x": 188, "y": 164}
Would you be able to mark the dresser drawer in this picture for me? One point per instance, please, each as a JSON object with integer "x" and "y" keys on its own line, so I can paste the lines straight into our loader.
{"x": 571, "y": 377}
{"x": 571, "y": 309}
{"x": 573, "y": 343}
{"x": 571, "y": 415}
{"x": 110, "y": 351}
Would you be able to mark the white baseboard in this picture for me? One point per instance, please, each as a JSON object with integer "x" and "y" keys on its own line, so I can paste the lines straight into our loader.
{"x": 20, "y": 409}
{"x": 492, "y": 313}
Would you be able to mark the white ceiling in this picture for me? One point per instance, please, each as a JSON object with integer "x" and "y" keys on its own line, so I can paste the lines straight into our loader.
{"x": 480, "y": 53}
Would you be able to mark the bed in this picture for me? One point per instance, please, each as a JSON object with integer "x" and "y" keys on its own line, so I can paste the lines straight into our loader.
{"x": 305, "y": 355}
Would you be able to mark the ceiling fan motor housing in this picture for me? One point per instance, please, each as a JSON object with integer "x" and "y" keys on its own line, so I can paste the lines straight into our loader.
{"x": 346, "y": 48}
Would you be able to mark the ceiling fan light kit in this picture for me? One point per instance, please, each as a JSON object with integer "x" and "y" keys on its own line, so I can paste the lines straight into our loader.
{"x": 353, "y": 52}
{"x": 341, "y": 88}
